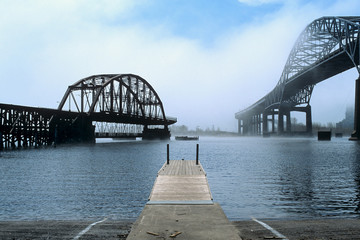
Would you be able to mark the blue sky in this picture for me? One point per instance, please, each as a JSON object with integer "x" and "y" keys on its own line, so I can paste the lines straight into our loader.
{"x": 206, "y": 59}
{"x": 202, "y": 20}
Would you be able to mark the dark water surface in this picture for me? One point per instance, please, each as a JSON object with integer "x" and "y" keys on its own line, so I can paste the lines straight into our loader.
{"x": 250, "y": 177}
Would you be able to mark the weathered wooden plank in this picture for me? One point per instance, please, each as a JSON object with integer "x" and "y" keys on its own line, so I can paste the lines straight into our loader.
{"x": 181, "y": 201}
{"x": 181, "y": 180}
{"x": 181, "y": 167}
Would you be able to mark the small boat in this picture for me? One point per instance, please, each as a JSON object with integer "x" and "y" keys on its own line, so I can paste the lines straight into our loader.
{"x": 186, "y": 138}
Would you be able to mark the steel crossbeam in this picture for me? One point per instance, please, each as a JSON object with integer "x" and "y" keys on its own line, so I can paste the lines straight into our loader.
{"x": 326, "y": 47}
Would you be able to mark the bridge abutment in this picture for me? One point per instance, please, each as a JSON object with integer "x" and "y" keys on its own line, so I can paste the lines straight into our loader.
{"x": 76, "y": 130}
{"x": 156, "y": 133}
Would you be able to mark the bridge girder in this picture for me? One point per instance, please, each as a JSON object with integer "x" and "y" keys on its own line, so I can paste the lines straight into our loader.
{"x": 324, "y": 39}
{"x": 122, "y": 98}
{"x": 326, "y": 47}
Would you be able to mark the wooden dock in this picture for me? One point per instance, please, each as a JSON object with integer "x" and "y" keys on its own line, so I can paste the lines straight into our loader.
{"x": 181, "y": 206}
{"x": 181, "y": 182}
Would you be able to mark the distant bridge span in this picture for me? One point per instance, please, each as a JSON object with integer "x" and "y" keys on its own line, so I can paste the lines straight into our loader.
{"x": 328, "y": 46}
{"x": 106, "y": 105}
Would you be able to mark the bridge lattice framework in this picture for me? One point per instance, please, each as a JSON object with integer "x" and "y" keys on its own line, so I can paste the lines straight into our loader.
{"x": 326, "y": 47}
{"x": 106, "y": 105}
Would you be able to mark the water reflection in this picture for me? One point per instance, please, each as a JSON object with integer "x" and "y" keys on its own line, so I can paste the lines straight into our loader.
{"x": 296, "y": 174}
{"x": 356, "y": 174}
{"x": 265, "y": 178}
{"x": 316, "y": 179}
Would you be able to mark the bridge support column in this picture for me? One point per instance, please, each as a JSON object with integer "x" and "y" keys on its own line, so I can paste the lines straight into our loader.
{"x": 243, "y": 126}
{"x": 307, "y": 111}
{"x": 273, "y": 122}
{"x": 355, "y": 136}
{"x": 265, "y": 124}
{"x": 280, "y": 122}
{"x": 308, "y": 119}
{"x": 288, "y": 122}
{"x": 258, "y": 124}
{"x": 252, "y": 126}
{"x": 247, "y": 126}
{"x": 240, "y": 126}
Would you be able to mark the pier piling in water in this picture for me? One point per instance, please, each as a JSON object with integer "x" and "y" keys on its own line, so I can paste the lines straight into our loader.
{"x": 197, "y": 154}
{"x": 167, "y": 154}
{"x": 324, "y": 135}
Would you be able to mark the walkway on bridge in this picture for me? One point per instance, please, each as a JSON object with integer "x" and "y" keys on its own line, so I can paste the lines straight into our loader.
{"x": 181, "y": 206}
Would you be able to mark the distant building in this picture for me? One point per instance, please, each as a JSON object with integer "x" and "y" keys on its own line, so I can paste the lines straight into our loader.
{"x": 348, "y": 122}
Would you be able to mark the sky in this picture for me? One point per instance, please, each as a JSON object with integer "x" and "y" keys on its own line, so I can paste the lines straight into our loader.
{"x": 206, "y": 59}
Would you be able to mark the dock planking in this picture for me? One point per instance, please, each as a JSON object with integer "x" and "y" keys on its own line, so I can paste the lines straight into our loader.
{"x": 181, "y": 167}
{"x": 181, "y": 180}
{"x": 180, "y": 205}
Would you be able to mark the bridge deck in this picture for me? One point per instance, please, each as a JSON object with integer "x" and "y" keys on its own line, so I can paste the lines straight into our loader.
{"x": 181, "y": 206}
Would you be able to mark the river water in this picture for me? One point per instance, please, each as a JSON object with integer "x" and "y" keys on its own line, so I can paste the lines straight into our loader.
{"x": 275, "y": 178}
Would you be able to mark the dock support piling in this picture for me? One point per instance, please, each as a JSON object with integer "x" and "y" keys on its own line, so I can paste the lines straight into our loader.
{"x": 167, "y": 155}
{"x": 197, "y": 154}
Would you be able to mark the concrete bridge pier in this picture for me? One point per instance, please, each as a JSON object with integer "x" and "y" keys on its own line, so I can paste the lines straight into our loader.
{"x": 257, "y": 124}
{"x": 252, "y": 125}
{"x": 244, "y": 126}
{"x": 268, "y": 122}
{"x": 288, "y": 122}
{"x": 280, "y": 122}
{"x": 284, "y": 127}
{"x": 265, "y": 123}
{"x": 273, "y": 121}
{"x": 308, "y": 119}
{"x": 355, "y": 136}
{"x": 307, "y": 111}
{"x": 240, "y": 126}
{"x": 247, "y": 126}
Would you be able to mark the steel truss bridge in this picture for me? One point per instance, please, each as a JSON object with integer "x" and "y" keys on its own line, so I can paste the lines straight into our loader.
{"x": 99, "y": 106}
{"x": 328, "y": 46}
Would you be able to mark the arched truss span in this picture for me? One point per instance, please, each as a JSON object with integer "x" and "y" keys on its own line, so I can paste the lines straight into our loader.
{"x": 124, "y": 98}
{"x": 327, "y": 46}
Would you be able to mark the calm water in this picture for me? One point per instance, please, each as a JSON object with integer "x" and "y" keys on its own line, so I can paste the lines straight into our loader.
{"x": 249, "y": 177}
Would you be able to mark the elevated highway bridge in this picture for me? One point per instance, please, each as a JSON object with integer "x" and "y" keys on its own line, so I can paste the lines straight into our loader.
{"x": 327, "y": 46}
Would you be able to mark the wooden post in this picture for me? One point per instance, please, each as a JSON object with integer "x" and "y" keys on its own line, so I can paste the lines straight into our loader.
{"x": 197, "y": 154}
{"x": 168, "y": 154}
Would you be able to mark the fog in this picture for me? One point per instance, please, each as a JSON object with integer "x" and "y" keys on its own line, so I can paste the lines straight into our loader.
{"x": 203, "y": 76}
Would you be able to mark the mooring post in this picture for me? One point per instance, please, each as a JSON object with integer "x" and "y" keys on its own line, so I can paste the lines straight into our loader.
{"x": 168, "y": 154}
{"x": 197, "y": 154}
